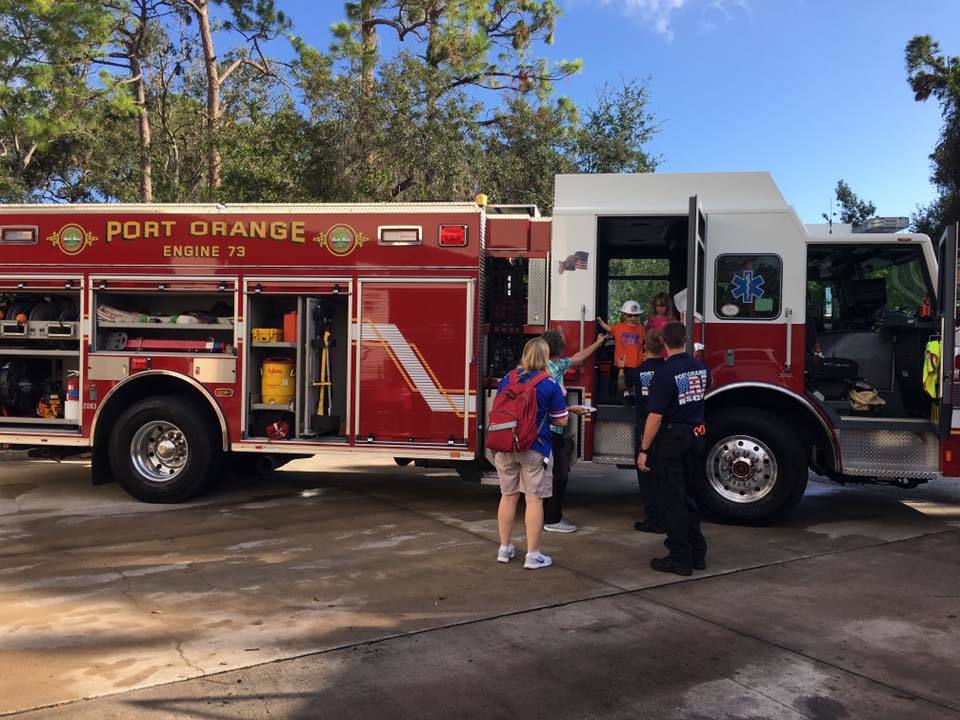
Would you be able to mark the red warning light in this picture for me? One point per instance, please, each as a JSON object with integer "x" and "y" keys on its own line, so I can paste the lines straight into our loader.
{"x": 453, "y": 235}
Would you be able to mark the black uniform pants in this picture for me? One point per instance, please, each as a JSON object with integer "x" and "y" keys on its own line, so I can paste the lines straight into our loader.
{"x": 676, "y": 461}
{"x": 562, "y": 452}
{"x": 646, "y": 480}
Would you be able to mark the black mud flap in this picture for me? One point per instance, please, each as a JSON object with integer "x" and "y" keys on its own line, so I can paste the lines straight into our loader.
{"x": 100, "y": 473}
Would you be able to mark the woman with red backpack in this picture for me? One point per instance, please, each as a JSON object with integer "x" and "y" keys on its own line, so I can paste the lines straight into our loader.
{"x": 528, "y": 401}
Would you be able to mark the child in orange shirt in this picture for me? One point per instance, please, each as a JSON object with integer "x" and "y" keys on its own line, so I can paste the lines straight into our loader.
{"x": 628, "y": 350}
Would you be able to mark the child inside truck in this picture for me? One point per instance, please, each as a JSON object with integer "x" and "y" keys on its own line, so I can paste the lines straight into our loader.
{"x": 661, "y": 312}
{"x": 628, "y": 347}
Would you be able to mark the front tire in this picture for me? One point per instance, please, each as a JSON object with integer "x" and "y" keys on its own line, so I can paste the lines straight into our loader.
{"x": 162, "y": 451}
{"x": 755, "y": 467}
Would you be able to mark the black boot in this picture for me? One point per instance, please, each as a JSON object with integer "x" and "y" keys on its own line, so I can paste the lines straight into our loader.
{"x": 650, "y": 527}
{"x": 669, "y": 565}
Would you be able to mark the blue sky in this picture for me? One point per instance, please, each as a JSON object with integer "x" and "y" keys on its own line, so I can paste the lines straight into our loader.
{"x": 808, "y": 90}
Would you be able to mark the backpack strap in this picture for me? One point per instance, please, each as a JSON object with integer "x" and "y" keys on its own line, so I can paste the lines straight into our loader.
{"x": 541, "y": 376}
{"x": 538, "y": 378}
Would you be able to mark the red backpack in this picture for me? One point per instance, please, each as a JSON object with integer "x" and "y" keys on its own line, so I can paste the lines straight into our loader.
{"x": 512, "y": 425}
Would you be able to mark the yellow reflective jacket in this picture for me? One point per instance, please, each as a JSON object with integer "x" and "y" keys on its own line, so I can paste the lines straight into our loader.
{"x": 931, "y": 369}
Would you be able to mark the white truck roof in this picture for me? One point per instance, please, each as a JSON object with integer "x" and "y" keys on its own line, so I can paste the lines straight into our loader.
{"x": 665, "y": 193}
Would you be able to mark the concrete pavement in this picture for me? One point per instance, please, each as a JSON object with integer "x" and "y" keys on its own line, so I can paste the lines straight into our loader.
{"x": 381, "y": 581}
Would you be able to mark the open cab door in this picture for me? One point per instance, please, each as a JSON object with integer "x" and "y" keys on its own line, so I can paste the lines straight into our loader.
{"x": 947, "y": 311}
{"x": 696, "y": 266}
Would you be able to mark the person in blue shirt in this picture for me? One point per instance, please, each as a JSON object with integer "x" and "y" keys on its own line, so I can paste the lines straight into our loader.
{"x": 529, "y": 471}
{"x": 563, "y": 445}
{"x": 672, "y": 446}
{"x": 652, "y": 361}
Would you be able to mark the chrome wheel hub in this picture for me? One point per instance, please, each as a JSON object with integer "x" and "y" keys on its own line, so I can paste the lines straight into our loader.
{"x": 159, "y": 451}
{"x": 741, "y": 469}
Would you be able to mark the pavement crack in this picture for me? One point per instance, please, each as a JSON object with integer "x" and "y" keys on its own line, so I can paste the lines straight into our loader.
{"x": 127, "y": 592}
{"x": 179, "y": 647}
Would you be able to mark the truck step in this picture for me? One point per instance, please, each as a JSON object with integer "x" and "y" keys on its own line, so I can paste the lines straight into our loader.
{"x": 888, "y": 453}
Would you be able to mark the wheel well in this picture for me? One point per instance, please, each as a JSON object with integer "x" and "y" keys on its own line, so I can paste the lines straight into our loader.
{"x": 138, "y": 388}
{"x": 816, "y": 439}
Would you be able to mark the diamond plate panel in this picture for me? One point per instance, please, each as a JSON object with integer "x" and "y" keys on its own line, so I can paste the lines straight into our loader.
{"x": 889, "y": 453}
{"x": 612, "y": 439}
{"x": 537, "y": 292}
{"x": 614, "y": 460}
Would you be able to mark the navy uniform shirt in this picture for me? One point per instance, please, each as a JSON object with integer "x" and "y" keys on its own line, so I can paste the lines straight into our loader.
{"x": 678, "y": 389}
{"x": 644, "y": 376}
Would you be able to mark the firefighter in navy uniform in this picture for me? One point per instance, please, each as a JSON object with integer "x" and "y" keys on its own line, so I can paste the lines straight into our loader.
{"x": 672, "y": 448}
{"x": 652, "y": 361}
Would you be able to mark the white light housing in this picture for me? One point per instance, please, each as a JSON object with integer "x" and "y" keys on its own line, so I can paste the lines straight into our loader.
{"x": 19, "y": 235}
{"x": 400, "y": 235}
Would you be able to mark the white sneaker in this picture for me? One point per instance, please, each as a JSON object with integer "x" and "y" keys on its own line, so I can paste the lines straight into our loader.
{"x": 505, "y": 553}
{"x": 537, "y": 560}
{"x": 563, "y": 527}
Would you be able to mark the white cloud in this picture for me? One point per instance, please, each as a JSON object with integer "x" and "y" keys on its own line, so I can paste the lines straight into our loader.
{"x": 659, "y": 13}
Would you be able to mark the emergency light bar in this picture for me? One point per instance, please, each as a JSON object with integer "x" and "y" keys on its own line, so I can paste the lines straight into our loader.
{"x": 453, "y": 236}
{"x": 883, "y": 225}
{"x": 400, "y": 235}
{"x": 18, "y": 235}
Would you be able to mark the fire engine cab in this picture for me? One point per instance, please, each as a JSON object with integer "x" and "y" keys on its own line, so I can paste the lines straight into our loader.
{"x": 175, "y": 340}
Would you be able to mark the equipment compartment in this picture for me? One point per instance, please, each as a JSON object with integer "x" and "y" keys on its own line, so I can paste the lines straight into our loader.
{"x": 164, "y": 320}
{"x": 297, "y": 359}
{"x": 36, "y": 390}
{"x": 40, "y": 356}
{"x": 39, "y": 316}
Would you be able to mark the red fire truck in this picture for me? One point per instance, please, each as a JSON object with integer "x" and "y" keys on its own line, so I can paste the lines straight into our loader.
{"x": 173, "y": 340}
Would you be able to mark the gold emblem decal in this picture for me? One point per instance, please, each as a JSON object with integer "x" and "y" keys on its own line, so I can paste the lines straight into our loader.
{"x": 72, "y": 239}
{"x": 341, "y": 240}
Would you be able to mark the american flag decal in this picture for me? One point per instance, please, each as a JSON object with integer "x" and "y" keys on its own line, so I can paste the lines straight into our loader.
{"x": 578, "y": 261}
{"x": 646, "y": 377}
{"x": 691, "y": 386}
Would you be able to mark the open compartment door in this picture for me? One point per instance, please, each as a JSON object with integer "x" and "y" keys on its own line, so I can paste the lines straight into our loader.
{"x": 696, "y": 267}
{"x": 947, "y": 310}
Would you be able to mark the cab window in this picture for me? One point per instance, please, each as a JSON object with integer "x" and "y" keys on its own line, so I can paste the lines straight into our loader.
{"x": 747, "y": 287}
{"x": 857, "y": 287}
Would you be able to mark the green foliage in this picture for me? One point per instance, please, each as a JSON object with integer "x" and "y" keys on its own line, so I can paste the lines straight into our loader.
{"x": 111, "y": 100}
{"x": 615, "y": 131}
{"x": 932, "y": 74}
{"x": 47, "y": 54}
{"x": 853, "y": 210}
{"x": 523, "y": 150}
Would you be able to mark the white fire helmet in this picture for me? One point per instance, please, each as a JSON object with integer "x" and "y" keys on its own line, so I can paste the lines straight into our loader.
{"x": 630, "y": 307}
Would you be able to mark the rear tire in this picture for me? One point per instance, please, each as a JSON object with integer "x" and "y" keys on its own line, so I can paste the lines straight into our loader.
{"x": 402, "y": 462}
{"x": 755, "y": 467}
{"x": 162, "y": 451}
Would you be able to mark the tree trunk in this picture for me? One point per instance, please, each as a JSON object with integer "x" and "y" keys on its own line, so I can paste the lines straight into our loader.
{"x": 135, "y": 53}
{"x": 368, "y": 47}
{"x": 201, "y": 8}
{"x": 146, "y": 164}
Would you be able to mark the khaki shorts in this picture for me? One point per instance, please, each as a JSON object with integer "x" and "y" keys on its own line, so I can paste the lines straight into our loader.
{"x": 525, "y": 472}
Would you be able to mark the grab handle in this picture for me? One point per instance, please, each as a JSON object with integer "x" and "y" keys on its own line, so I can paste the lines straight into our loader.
{"x": 788, "y": 313}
